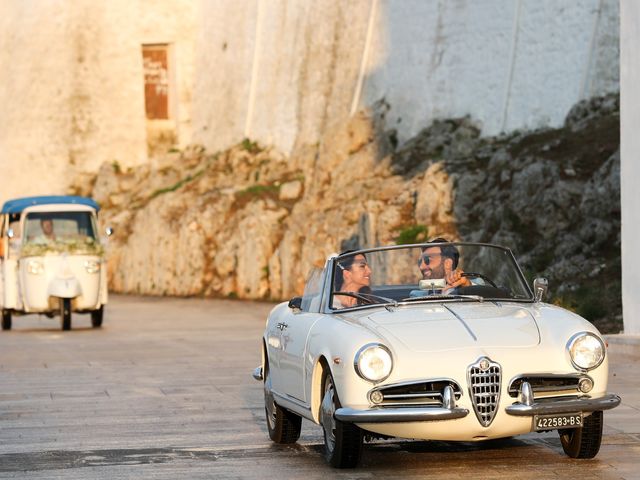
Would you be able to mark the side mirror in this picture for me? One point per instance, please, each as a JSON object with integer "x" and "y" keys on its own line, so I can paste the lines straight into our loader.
{"x": 295, "y": 303}
{"x": 540, "y": 286}
{"x": 11, "y": 233}
{"x": 108, "y": 231}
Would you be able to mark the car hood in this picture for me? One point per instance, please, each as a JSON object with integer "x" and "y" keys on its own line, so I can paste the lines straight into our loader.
{"x": 446, "y": 326}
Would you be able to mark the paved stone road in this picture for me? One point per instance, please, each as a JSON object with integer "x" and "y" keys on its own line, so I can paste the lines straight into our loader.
{"x": 164, "y": 391}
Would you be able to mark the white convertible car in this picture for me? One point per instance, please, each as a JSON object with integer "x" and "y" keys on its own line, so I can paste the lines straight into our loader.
{"x": 438, "y": 341}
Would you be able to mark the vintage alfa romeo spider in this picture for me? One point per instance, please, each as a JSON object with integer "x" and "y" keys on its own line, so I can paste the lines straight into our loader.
{"x": 441, "y": 341}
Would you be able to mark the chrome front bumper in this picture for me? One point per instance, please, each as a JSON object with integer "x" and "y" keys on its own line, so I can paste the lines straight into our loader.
{"x": 393, "y": 415}
{"x": 548, "y": 406}
{"x": 544, "y": 406}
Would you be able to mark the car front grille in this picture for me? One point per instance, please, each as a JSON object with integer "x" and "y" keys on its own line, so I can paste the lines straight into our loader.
{"x": 424, "y": 393}
{"x": 484, "y": 387}
{"x": 548, "y": 384}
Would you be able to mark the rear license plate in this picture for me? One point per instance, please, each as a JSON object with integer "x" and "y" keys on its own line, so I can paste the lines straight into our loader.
{"x": 553, "y": 422}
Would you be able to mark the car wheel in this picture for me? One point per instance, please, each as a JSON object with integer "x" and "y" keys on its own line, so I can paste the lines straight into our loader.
{"x": 96, "y": 317}
{"x": 284, "y": 426}
{"x": 342, "y": 441}
{"x": 6, "y": 319}
{"x": 583, "y": 442}
{"x": 65, "y": 313}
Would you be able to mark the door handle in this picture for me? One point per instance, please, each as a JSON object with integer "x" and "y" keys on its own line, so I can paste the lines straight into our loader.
{"x": 281, "y": 326}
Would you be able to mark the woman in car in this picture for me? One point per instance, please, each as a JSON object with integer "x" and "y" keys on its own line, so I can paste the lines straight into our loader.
{"x": 353, "y": 274}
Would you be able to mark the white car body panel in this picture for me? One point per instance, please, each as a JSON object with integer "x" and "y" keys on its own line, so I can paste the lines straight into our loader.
{"x": 430, "y": 341}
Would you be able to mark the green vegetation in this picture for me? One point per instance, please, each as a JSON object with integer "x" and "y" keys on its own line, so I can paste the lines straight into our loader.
{"x": 116, "y": 166}
{"x": 189, "y": 178}
{"x": 586, "y": 302}
{"x": 249, "y": 146}
{"x": 412, "y": 234}
{"x": 259, "y": 191}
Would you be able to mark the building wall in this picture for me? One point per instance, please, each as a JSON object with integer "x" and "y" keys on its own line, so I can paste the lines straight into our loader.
{"x": 281, "y": 72}
{"x": 629, "y": 164}
{"x": 289, "y": 67}
{"x": 276, "y": 71}
{"x": 509, "y": 65}
{"x": 71, "y": 86}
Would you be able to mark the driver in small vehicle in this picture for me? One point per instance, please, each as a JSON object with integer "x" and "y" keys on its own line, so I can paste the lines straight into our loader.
{"x": 48, "y": 235}
{"x": 352, "y": 275}
{"x": 442, "y": 262}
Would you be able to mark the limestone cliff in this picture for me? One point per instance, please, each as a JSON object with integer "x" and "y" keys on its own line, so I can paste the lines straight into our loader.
{"x": 249, "y": 222}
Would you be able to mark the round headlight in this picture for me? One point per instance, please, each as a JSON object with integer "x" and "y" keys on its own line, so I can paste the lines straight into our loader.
{"x": 373, "y": 362}
{"x": 35, "y": 267}
{"x": 586, "y": 350}
{"x": 92, "y": 266}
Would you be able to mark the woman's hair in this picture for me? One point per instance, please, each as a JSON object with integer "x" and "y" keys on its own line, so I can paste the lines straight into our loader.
{"x": 344, "y": 264}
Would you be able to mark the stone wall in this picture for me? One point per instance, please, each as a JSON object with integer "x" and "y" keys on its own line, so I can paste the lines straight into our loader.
{"x": 281, "y": 72}
{"x": 72, "y": 89}
{"x": 245, "y": 223}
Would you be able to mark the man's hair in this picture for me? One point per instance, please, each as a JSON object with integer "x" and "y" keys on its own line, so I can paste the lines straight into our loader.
{"x": 447, "y": 251}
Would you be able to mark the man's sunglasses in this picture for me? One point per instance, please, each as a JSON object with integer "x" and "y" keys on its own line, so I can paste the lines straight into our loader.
{"x": 427, "y": 258}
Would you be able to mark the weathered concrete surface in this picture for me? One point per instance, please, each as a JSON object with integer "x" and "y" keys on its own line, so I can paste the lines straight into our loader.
{"x": 164, "y": 390}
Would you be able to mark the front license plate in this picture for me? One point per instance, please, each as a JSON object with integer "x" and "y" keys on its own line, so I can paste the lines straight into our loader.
{"x": 553, "y": 422}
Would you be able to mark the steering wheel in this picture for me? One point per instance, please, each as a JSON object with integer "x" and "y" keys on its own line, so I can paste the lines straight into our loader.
{"x": 480, "y": 275}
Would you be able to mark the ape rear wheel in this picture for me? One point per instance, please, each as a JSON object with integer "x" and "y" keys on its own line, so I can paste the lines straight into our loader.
{"x": 65, "y": 313}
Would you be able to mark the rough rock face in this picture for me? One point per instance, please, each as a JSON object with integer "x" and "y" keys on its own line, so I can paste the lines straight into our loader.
{"x": 249, "y": 223}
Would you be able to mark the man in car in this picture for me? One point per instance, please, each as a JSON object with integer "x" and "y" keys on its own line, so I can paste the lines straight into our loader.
{"x": 442, "y": 262}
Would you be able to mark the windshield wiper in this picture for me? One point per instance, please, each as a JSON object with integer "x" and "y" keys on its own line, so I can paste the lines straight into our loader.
{"x": 440, "y": 296}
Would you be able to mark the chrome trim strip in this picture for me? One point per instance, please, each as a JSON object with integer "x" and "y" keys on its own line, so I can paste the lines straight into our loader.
{"x": 257, "y": 374}
{"x": 397, "y": 415}
{"x": 294, "y": 405}
{"x": 411, "y": 383}
{"x": 410, "y": 403}
{"x": 513, "y": 392}
{"x": 475, "y": 339}
{"x": 413, "y": 395}
{"x": 564, "y": 405}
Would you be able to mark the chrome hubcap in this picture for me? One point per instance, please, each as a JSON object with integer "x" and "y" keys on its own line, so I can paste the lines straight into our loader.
{"x": 328, "y": 417}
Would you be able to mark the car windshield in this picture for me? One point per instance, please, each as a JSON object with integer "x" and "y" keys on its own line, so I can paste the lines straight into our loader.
{"x": 50, "y": 232}
{"x": 429, "y": 272}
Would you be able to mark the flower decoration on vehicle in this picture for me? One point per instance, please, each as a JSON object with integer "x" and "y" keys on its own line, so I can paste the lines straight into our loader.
{"x": 77, "y": 246}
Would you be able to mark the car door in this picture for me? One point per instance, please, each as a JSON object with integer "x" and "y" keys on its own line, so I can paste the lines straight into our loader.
{"x": 295, "y": 327}
{"x": 295, "y": 332}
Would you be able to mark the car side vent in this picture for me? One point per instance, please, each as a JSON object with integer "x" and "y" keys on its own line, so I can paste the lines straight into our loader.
{"x": 484, "y": 379}
{"x": 422, "y": 393}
